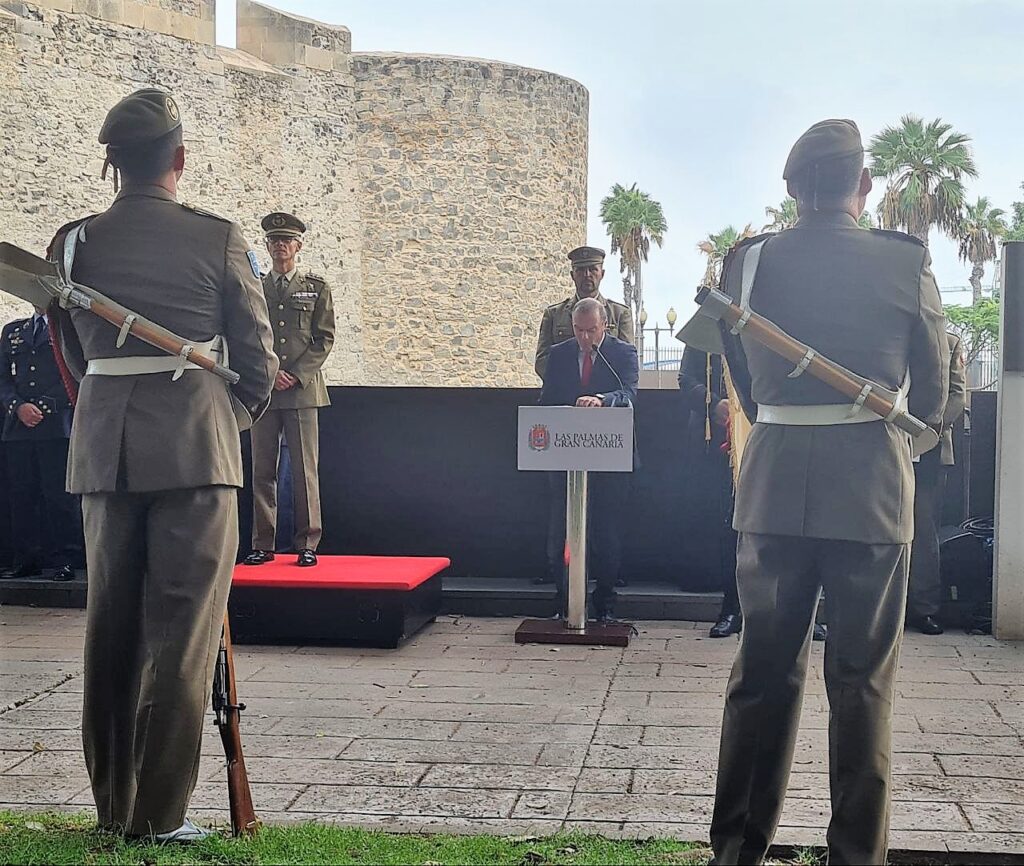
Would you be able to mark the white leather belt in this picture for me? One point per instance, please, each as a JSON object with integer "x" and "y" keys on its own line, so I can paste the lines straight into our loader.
{"x": 141, "y": 365}
{"x": 833, "y": 413}
{"x": 814, "y": 416}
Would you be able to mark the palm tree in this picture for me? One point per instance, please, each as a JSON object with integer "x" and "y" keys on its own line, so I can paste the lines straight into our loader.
{"x": 633, "y": 219}
{"x": 925, "y": 165}
{"x": 716, "y": 247}
{"x": 982, "y": 226}
{"x": 782, "y": 217}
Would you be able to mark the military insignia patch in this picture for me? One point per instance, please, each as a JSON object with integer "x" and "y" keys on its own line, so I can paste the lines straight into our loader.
{"x": 277, "y": 222}
{"x": 255, "y": 265}
{"x": 172, "y": 109}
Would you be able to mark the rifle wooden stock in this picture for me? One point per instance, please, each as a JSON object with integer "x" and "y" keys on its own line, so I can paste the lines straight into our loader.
{"x": 879, "y": 400}
{"x": 227, "y": 709}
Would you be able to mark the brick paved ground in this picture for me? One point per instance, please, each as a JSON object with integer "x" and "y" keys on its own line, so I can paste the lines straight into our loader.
{"x": 463, "y": 731}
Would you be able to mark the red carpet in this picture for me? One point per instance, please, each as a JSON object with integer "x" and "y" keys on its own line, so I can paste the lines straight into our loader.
{"x": 401, "y": 573}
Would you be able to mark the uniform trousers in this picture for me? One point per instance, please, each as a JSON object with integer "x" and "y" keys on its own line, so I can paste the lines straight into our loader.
{"x": 41, "y": 508}
{"x": 301, "y": 431}
{"x": 607, "y": 497}
{"x": 924, "y": 596}
{"x": 160, "y": 569}
{"x": 780, "y": 579}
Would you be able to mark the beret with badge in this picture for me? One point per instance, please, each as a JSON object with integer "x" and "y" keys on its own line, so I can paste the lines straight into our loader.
{"x": 139, "y": 118}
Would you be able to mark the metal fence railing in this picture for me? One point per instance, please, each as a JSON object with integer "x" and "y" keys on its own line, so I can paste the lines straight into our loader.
{"x": 660, "y": 350}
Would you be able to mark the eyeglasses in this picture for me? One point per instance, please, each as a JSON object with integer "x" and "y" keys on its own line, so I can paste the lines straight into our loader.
{"x": 280, "y": 239}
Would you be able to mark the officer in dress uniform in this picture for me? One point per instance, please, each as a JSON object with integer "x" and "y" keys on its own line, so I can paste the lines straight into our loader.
{"x": 587, "y": 272}
{"x": 35, "y": 432}
{"x": 824, "y": 499}
{"x": 158, "y": 463}
{"x": 302, "y": 316}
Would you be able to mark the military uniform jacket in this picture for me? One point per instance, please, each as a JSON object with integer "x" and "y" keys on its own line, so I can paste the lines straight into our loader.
{"x": 956, "y": 402}
{"x": 29, "y": 374}
{"x": 302, "y": 317}
{"x": 192, "y": 273}
{"x": 556, "y": 326}
{"x": 867, "y": 300}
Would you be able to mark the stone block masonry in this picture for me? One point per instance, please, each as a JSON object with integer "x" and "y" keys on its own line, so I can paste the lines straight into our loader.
{"x": 441, "y": 193}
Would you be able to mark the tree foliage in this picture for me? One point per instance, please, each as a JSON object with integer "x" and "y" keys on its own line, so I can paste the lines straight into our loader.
{"x": 633, "y": 220}
{"x": 925, "y": 165}
{"x": 716, "y": 247}
{"x": 977, "y": 326}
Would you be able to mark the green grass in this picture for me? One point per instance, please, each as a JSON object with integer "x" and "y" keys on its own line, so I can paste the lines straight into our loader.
{"x": 27, "y": 838}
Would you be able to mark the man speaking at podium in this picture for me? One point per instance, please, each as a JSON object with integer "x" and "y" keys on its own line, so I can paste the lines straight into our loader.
{"x": 593, "y": 370}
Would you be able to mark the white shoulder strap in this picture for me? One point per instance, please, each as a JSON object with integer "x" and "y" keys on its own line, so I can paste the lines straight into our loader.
{"x": 750, "y": 263}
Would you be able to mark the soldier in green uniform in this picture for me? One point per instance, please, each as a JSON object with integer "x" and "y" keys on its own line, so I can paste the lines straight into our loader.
{"x": 824, "y": 499}
{"x": 556, "y": 324}
{"x": 157, "y": 460}
{"x": 302, "y": 316}
{"x": 587, "y": 271}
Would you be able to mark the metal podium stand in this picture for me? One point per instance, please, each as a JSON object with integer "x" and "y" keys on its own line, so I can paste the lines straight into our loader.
{"x": 577, "y": 441}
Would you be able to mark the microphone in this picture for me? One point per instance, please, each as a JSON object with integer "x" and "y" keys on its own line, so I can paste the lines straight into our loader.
{"x": 597, "y": 349}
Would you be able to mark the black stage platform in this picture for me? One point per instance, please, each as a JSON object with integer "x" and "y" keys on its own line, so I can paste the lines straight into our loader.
{"x": 432, "y": 472}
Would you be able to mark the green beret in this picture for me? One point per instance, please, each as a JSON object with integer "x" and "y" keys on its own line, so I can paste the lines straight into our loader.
{"x": 144, "y": 116}
{"x": 283, "y": 224}
{"x": 584, "y": 257}
{"x": 827, "y": 140}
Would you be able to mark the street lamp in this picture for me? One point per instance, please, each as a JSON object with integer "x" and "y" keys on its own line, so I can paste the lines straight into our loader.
{"x": 671, "y": 316}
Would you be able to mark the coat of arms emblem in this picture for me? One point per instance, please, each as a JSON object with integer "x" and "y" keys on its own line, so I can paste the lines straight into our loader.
{"x": 540, "y": 437}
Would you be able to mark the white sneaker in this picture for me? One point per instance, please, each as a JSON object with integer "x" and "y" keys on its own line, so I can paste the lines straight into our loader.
{"x": 186, "y": 833}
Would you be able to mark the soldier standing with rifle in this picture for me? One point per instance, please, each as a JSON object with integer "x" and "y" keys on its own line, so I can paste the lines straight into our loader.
{"x": 825, "y": 498}
{"x": 155, "y": 454}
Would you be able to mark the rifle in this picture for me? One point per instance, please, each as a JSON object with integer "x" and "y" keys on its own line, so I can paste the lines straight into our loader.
{"x": 227, "y": 711}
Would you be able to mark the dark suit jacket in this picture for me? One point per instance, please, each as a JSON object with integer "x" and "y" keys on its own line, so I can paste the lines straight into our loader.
{"x": 562, "y": 385}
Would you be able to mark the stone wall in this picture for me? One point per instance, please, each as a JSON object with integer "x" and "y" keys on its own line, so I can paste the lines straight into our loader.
{"x": 438, "y": 191}
{"x": 473, "y": 186}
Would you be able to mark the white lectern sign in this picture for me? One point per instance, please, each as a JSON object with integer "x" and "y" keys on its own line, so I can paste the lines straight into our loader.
{"x": 566, "y": 438}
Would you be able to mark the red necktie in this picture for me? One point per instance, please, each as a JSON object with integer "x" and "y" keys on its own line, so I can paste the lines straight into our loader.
{"x": 588, "y": 368}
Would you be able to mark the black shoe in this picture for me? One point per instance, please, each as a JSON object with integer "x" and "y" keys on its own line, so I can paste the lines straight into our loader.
{"x": 306, "y": 558}
{"x": 620, "y": 582}
{"x": 727, "y": 625}
{"x": 65, "y": 572}
{"x": 820, "y": 632}
{"x": 929, "y": 625}
{"x": 258, "y": 557}
{"x": 538, "y": 581}
{"x": 26, "y": 569}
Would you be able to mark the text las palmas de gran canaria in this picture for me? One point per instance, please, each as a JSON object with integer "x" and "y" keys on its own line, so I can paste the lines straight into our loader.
{"x": 589, "y": 440}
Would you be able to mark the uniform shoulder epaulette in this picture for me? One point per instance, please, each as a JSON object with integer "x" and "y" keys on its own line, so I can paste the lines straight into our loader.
{"x": 615, "y": 303}
{"x": 64, "y": 229}
{"x": 204, "y": 212}
{"x": 315, "y": 278}
{"x": 899, "y": 236}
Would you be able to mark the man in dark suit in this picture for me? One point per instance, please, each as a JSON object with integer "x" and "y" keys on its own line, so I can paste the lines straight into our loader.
{"x": 46, "y": 522}
{"x": 593, "y": 370}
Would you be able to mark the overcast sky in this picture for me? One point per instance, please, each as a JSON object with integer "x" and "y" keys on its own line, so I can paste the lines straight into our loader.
{"x": 698, "y": 103}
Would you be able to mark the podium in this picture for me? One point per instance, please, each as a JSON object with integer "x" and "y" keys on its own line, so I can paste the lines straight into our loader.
{"x": 576, "y": 441}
